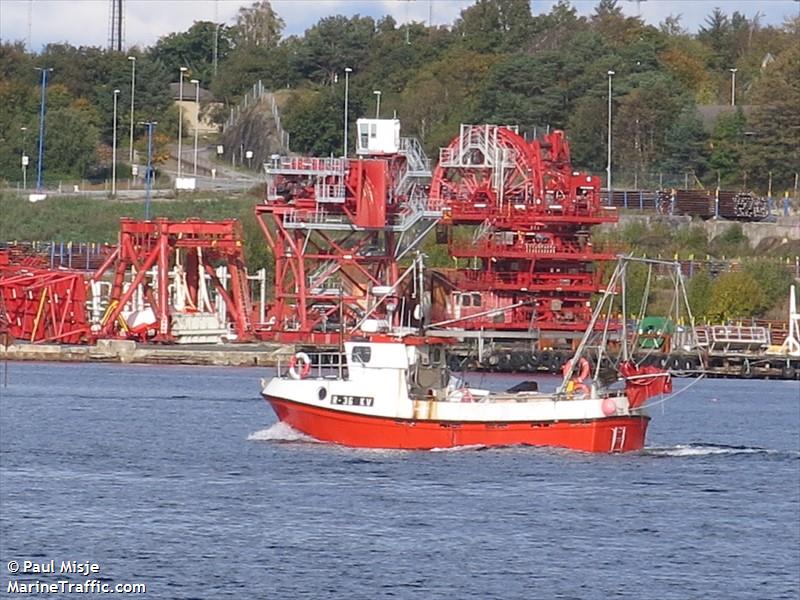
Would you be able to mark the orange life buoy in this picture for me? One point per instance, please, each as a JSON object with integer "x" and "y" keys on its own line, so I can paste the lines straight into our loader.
{"x": 583, "y": 370}
{"x": 304, "y": 369}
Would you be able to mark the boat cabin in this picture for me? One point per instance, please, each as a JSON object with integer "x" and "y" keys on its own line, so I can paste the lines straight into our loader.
{"x": 423, "y": 366}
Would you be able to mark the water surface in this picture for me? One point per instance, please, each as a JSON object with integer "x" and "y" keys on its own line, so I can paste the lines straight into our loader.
{"x": 179, "y": 477}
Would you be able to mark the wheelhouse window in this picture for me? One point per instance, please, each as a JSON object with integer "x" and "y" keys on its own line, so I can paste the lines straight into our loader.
{"x": 361, "y": 354}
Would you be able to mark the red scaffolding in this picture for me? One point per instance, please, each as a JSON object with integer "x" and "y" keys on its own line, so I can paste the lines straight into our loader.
{"x": 530, "y": 261}
{"x": 161, "y": 270}
{"x": 339, "y": 229}
{"x": 42, "y": 305}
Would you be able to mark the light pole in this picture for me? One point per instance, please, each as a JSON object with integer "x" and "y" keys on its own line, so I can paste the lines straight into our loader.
{"x": 180, "y": 119}
{"x": 347, "y": 72}
{"x": 45, "y": 71}
{"x": 148, "y": 174}
{"x": 378, "y": 105}
{"x": 114, "y": 148}
{"x": 196, "y": 83}
{"x": 733, "y": 86}
{"x": 133, "y": 95}
{"x": 24, "y": 157}
{"x": 608, "y": 165}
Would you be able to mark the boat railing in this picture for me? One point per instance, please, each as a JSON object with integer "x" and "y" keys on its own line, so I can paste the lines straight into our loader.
{"x": 323, "y": 364}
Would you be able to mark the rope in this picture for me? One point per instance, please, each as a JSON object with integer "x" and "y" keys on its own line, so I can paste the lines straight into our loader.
{"x": 672, "y": 395}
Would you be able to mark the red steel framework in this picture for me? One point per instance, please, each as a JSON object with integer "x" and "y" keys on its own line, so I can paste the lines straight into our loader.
{"x": 161, "y": 255}
{"x": 531, "y": 261}
{"x": 339, "y": 229}
{"x": 39, "y": 304}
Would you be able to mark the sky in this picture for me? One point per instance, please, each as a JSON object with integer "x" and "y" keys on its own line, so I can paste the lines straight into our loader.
{"x": 85, "y": 22}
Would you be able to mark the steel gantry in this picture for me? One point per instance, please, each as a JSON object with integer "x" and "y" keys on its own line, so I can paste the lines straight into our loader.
{"x": 339, "y": 229}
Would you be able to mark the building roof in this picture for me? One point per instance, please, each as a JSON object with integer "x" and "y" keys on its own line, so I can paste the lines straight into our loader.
{"x": 709, "y": 113}
{"x": 189, "y": 92}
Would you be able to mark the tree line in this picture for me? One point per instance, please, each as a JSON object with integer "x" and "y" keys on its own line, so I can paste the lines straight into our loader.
{"x": 496, "y": 63}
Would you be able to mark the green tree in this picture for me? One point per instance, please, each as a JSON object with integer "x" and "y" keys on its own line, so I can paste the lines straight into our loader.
{"x": 314, "y": 119}
{"x": 524, "y": 90}
{"x": 735, "y": 295}
{"x": 643, "y": 118}
{"x": 71, "y": 142}
{"x": 685, "y": 145}
{"x": 731, "y": 242}
{"x": 773, "y": 278}
{"x": 495, "y": 25}
{"x": 588, "y": 133}
{"x": 699, "y": 294}
{"x": 557, "y": 29}
{"x": 272, "y": 66}
{"x": 443, "y": 95}
{"x": 775, "y": 123}
{"x": 194, "y": 49}
{"x": 717, "y": 34}
{"x": 257, "y": 26}
{"x": 726, "y": 146}
{"x": 617, "y": 29}
{"x": 333, "y": 44}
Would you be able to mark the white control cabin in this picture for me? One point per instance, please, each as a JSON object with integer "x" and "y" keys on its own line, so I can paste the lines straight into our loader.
{"x": 377, "y": 137}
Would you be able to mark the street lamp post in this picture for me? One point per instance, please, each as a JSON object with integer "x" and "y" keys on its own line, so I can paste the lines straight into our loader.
{"x": 196, "y": 83}
{"x": 608, "y": 164}
{"x": 24, "y": 157}
{"x": 148, "y": 174}
{"x": 180, "y": 119}
{"x": 733, "y": 86}
{"x": 45, "y": 71}
{"x": 347, "y": 72}
{"x": 133, "y": 95}
{"x": 378, "y": 104}
{"x": 114, "y": 148}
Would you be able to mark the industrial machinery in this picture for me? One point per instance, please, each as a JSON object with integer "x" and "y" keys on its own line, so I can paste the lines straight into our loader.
{"x": 339, "y": 229}
{"x": 519, "y": 221}
{"x": 174, "y": 282}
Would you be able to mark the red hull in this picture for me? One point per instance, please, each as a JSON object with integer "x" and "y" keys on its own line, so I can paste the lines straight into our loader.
{"x": 612, "y": 434}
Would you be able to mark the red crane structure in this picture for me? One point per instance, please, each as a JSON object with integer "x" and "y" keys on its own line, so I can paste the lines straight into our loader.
{"x": 175, "y": 281}
{"x": 339, "y": 229}
{"x": 530, "y": 261}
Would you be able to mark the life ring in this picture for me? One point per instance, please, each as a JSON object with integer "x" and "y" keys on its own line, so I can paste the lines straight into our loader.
{"x": 466, "y": 395}
{"x": 583, "y": 370}
{"x": 299, "y": 366}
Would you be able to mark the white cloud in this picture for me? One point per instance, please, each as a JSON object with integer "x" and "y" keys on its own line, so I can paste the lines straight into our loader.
{"x": 85, "y": 22}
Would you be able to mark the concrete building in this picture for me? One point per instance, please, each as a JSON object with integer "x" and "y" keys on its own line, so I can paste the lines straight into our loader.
{"x": 194, "y": 116}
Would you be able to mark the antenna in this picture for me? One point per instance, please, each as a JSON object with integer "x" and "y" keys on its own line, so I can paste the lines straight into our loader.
{"x": 30, "y": 23}
{"x": 638, "y": 6}
{"x": 115, "y": 25}
{"x": 216, "y": 36}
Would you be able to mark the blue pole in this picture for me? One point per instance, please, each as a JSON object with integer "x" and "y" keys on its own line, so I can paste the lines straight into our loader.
{"x": 149, "y": 174}
{"x": 41, "y": 132}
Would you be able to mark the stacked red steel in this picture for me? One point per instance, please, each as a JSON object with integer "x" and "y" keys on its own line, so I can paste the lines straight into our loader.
{"x": 39, "y": 304}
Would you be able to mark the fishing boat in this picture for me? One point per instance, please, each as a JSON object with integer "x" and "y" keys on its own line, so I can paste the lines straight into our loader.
{"x": 394, "y": 390}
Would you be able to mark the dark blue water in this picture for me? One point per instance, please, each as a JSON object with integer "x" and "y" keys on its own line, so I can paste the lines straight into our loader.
{"x": 178, "y": 478}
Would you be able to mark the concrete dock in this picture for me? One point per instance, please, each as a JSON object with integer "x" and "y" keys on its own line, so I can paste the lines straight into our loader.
{"x": 125, "y": 351}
